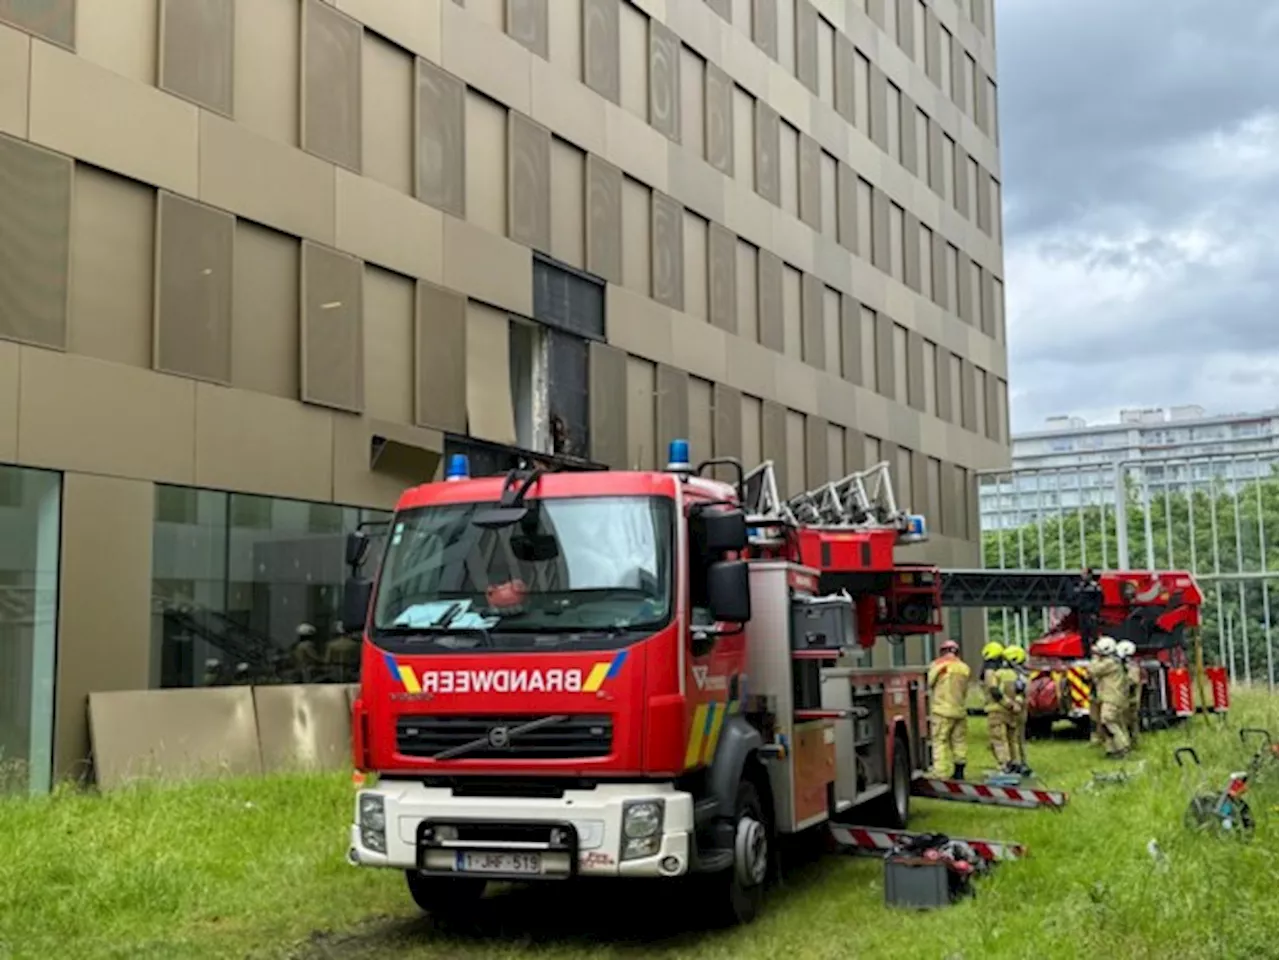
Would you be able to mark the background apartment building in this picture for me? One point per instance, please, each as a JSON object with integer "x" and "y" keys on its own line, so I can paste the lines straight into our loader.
{"x": 262, "y": 262}
{"x": 1072, "y": 464}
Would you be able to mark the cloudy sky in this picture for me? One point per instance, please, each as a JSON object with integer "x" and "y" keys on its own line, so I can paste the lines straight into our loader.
{"x": 1139, "y": 146}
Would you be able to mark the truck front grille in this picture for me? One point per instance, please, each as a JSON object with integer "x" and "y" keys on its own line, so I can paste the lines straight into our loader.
{"x": 499, "y": 737}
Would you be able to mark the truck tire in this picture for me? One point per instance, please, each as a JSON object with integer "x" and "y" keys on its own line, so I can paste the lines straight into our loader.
{"x": 444, "y": 897}
{"x": 892, "y": 809}
{"x": 739, "y": 891}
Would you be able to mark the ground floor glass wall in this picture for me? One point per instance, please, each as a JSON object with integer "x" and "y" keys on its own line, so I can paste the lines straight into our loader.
{"x": 30, "y": 511}
{"x": 248, "y": 589}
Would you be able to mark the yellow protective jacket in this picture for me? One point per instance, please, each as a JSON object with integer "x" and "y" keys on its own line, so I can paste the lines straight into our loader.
{"x": 1134, "y": 674}
{"x": 948, "y": 684}
{"x": 993, "y": 681}
{"x": 1110, "y": 681}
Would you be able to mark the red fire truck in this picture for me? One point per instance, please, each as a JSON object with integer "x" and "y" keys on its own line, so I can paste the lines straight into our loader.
{"x": 1159, "y": 612}
{"x": 631, "y": 674}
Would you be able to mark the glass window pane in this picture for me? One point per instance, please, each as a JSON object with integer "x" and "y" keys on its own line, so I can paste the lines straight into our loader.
{"x": 30, "y": 508}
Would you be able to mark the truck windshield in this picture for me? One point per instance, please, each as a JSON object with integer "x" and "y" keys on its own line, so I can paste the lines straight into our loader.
{"x": 581, "y": 571}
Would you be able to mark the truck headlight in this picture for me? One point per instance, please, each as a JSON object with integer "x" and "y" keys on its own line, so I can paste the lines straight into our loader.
{"x": 371, "y": 812}
{"x": 641, "y": 828}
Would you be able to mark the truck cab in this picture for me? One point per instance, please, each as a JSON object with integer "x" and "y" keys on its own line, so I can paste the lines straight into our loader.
{"x": 596, "y": 674}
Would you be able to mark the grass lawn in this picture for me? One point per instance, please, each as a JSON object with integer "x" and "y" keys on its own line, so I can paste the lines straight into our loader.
{"x": 254, "y": 868}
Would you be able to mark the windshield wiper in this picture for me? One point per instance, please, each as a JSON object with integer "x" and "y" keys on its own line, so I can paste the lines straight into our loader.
{"x": 435, "y": 632}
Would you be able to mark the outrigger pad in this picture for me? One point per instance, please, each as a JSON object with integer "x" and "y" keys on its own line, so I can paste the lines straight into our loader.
{"x": 988, "y": 794}
{"x": 875, "y": 840}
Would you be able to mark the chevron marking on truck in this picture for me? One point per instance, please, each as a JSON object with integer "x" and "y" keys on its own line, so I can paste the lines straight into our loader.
{"x": 505, "y": 679}
{"x": 989, "y": 795}
{"x": 1079, "y": 684}
{"x": 872, "y": 840}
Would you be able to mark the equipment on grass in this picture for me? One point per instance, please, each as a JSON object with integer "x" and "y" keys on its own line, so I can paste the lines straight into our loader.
{"x": 1224, "y": 811}
{"x": 873, "y": 840}
{"x": 1109, "y": 778}
{"x": 988, "y": 794}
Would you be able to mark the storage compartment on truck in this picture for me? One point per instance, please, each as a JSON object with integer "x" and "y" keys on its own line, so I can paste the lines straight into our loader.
{"x": 822, "y": 623}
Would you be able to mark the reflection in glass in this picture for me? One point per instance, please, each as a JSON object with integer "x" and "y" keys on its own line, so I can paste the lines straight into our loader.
{"x": 30, "y": 507}
{"x": 248, "y": 589}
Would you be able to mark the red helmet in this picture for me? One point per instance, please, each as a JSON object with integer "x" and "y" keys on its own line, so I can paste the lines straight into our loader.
{"x": 949, "y": 646}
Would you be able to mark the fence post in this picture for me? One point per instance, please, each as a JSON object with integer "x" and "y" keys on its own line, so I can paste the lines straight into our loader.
{"x": 1122, "y": 521}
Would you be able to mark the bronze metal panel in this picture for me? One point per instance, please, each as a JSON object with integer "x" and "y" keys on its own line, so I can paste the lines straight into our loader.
{"x": 441, "y": 351}
{"x": 855, "y": 450}
{"x": 266, "y": 311}
{"x": 988, "y": 313}
{"x": 994, "y": 421}
{"x": 968, "y": 395}
{"x": 850, "y": 339}
{"x": 884, "y": 356}
{"x": 936, "y": 172}
{"x": 807, "y": 45}
{"x": 701, "y": 419}
{"x": 203, "y": 733}
{"x": 906, "y": 27}
{"x": 722, "y": 8}
{"x": 673, "y": 404}
{"x": 727, "y": 433}
{"x": 601, "y": 48}
{"x": 879, "y": 108}
{"x": 197, "y": 42}
{"x": 332, "y": 44}
{"x": 773, "y": 440}
{"x": 664, "y": 81}
{"x": 642, "y": 429}
{"x": 668, "y": 251}
{"x": 847, "y": 207}
{"x": 965, "y": 281}
{"x": 529, "y": 182}
{"x": 957, "y": 72}
{"x": 441, "y": 139}
{"x": 963, "y": 202}
{"x": 332, "y": 343}
{"x": 769, "y": 281}
{"x": 768, "y": 150}
{"x": 911, "y": 148}
{"x": 880, "y": 255}
{"x": 911, "y": 251}
{"x": 980, "y": 15}
{"x": 932, "y": 53}
{"x": 718, "y": 116}
{"x": 764, "y": 26}
{"x": 810, "y": 182}
{"x": 527, "y": 24}
{"x": 35, "y": 244}
{"x": 981, "y": 112}
{"x": 812, "y": 336}
{"x": 604, "y": 219}
{"x": 942, "y": 368}
{"x": 919, "y": 482}
{"x": 52, "y": 20}
{"x": 817, "y": 464}
{"x": 194, "y": 262}
{"x": 915, "y": 371}
{"x": 303, "y": 727}
{"x": 607, "y": 393}
{"x": 876, "y": 11}
{"x": 846, "y": 92}
{"x": 938, "y": 261}
{"x": 723, "y": 254}
{"x": 984, "y": 202}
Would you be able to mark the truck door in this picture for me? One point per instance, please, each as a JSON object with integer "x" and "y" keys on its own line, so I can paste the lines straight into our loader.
{"x": 714, "y": 682}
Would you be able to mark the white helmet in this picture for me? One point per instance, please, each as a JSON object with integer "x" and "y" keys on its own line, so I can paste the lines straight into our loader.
{"x": 1105, "y": 646}
{"x": 1126, "y": 649}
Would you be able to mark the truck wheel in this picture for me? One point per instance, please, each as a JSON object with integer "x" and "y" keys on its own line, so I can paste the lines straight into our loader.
{"x": 444, "y": 897}
{"x": 741, "y": 887}
{"x": 892, "y": 809}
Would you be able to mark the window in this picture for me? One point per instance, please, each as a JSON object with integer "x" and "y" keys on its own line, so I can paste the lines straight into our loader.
{"x": 894, "y": 117}
{"x": 900, "y": 370}
{"x": 248, "y": 589}
{"x": 930, "y": 375}
{"x": 30, "y": 514}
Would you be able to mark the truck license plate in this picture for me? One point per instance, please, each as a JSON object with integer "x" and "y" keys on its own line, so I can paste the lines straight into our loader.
{"x": 520, "y": 863}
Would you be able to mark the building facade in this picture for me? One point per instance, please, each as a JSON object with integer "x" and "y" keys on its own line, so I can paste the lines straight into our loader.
{"x": 263, "y": 262}
{"x": 1071, "y": 464}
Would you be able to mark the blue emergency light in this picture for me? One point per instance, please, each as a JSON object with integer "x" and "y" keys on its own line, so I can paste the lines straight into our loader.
{"x": 917, "y": 530}
{"x": 678, "y": 457}
{"x": 458, "y": 468}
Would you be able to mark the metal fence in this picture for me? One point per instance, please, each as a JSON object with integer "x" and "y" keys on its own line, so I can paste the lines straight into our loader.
{"x": 1213, "y": 515}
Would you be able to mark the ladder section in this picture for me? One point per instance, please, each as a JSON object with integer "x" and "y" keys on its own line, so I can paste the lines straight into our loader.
{"x": 864, "y": 500}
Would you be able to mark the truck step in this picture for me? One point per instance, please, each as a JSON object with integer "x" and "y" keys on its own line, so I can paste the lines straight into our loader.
{"x": 704, "y": 811}
{"x": 988, "y": 794}
{"x": 875, "y": 840}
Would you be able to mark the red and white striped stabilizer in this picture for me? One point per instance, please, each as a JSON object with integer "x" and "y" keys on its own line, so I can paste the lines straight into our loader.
{"x": 965, "y": 792}
{"x": 874, "y": 840}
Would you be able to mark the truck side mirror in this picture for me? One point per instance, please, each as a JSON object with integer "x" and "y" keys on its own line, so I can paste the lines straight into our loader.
{"x": 357, "y": 547}
{"x": 356, "y": 594}
{"x": 724, "y": 529}
{"x": 729, "y": 591}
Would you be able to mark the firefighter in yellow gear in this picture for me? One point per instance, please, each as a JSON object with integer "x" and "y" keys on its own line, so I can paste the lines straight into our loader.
{"x": 1016, "y": 658}
{"x": 1133, "y": 674}
{"x": 1111, "y": 681}
{"x": 948, "y": 683}
{"x": 997, "y": 681}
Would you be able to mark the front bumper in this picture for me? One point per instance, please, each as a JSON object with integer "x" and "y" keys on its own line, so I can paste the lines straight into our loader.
{"x": 582, "y": 835}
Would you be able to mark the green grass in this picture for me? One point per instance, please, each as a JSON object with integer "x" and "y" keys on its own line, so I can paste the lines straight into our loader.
{"x": 254, "y": 868}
